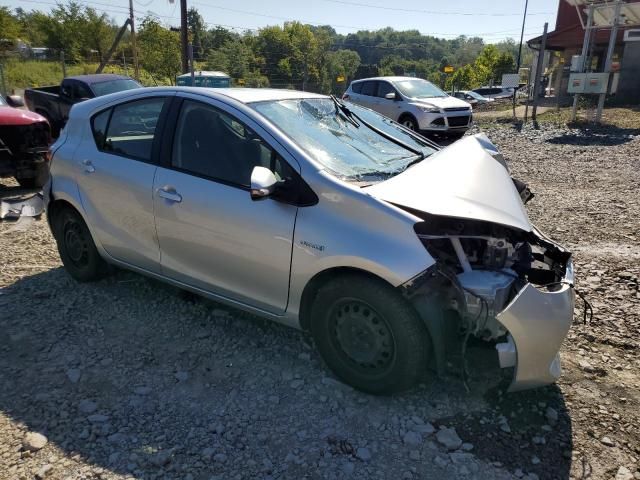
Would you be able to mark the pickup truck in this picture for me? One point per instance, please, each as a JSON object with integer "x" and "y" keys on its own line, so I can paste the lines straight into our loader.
{"x": 54, "y": 102}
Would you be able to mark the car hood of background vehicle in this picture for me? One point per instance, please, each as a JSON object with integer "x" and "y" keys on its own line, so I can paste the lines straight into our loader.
{"x": 462, "y": 180}
{"x": 15, "y": 116}
{"x": 441, "y": 102}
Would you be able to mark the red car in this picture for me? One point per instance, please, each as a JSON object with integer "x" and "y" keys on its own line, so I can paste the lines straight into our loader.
{"x": 24, "y": 144}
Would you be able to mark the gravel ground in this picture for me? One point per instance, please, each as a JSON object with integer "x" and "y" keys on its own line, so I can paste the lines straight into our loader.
{"x": 129, "y": 378}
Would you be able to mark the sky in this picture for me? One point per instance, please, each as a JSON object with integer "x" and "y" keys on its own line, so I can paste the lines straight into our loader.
{"x": 492, "y": 20}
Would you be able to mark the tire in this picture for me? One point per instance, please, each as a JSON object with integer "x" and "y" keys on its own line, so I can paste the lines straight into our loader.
{"x": 77, "y": 250}
{"x": 409, "y": 122}
{"x": 369, "y": 335}
{"x": 40, "y": 178}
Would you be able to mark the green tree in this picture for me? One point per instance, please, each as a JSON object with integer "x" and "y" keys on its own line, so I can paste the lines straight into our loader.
{"x": 9, "y": 27}
{"x": 160, "y": 50}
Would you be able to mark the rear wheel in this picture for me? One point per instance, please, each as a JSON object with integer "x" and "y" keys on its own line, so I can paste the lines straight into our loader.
{"x": 77, "y": 250}
{"x": 369, "y": 335}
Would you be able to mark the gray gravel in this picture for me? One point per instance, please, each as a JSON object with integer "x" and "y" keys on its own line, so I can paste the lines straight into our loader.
{"x": 129, "y": 378}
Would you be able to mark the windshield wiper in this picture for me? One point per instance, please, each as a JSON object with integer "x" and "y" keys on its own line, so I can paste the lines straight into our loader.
{"x": 342, "y": 108}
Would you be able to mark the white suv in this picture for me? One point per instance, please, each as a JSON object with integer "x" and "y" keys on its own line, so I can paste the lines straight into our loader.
{"x": 415, "y": 103}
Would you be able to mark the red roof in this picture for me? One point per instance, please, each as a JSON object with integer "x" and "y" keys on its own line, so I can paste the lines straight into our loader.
{"x": 569, "y": 32}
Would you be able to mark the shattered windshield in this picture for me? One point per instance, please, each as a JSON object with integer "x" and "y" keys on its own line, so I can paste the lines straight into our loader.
{"x": 419, "y": 88}
{"x": 351, "y": 150}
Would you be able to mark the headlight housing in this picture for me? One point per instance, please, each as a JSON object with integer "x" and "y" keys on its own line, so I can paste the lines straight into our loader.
{"x": 430, "y": 109}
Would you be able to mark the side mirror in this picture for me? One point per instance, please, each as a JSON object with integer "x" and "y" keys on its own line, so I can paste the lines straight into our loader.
{"x": 15, "y": 101}
{"x": 263, "y": 183}
{"x": 391, "y": 96}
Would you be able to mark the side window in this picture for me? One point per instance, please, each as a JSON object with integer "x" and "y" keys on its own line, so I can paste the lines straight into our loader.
{"x": 357, "y": 87}
{"x": 384, "y": 88}
{"x": 211, "y": 143}
{"x": 80, "y": 91}
{"x": 369, "y": 88}
{"x": 99, "y": 127}
{"x": 132, "y": 127}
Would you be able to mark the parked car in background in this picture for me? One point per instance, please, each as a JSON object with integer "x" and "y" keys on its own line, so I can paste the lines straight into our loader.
{"x": 203, "y": 78}
{"x": 54, "y": 102}
{"x": 24, "y": 144}
{"x": 318, "y": 214}
{"x": 496, "y": 93}
{"x": 472, "y": 97}
{"x": 415, "y": 103}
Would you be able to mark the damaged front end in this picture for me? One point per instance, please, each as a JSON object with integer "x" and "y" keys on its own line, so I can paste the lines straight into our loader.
{"x": 501, "y": 285}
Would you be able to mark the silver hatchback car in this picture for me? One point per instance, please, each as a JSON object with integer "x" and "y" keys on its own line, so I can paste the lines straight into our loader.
{"x": 320, "y": 215}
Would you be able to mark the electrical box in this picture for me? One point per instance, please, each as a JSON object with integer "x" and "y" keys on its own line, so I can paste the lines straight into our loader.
{"x": 632, "y": 35}
{"x": 594, "y": 83}
{"x": 576, "y": 63}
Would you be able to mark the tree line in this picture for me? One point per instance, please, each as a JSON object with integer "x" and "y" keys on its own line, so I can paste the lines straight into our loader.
{"x": 292, "y": 55}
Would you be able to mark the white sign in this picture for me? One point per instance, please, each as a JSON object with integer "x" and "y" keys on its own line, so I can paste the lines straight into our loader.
{"x": 510, "y": 80}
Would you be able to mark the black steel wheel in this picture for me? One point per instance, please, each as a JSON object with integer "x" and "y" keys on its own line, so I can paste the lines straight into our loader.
{"x": 369, "y": 335}
{"x": 76, "y": 247}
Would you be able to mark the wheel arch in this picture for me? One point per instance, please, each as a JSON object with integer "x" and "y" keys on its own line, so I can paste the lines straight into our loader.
{"x": 408, "y": 115}
{"x": 322, "y": 278}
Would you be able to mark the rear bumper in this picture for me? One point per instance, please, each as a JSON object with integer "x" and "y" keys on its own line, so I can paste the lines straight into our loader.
{"x": 538, "y": 322}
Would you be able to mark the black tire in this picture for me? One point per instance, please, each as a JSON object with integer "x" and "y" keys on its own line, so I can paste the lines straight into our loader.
{"x": 76, "y": 247}
{"x": 409, "y": 122}
{"x": 369, "y": 335}
{"x": 37, "y": 181}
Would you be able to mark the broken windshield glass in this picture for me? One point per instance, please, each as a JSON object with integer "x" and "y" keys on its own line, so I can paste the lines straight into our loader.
{"x": 350, "y": 151}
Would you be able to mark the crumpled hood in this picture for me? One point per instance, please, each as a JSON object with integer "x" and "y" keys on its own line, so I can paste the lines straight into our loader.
{"x": 462, "y": 180}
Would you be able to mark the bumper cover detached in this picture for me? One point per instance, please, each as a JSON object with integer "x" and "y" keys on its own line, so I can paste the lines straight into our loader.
{"x": 538, "y": 322}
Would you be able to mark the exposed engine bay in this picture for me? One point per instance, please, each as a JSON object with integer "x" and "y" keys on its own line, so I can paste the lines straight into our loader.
{"x": 480, "y": 268}
{"x": 488, "y": 264}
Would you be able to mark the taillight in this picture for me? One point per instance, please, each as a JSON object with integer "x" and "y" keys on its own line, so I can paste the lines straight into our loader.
{"x": 345, "y": 96}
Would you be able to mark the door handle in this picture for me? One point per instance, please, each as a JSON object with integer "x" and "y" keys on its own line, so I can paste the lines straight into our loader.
{"x": 88, "y": 166}
{"x": 169, "y": 193}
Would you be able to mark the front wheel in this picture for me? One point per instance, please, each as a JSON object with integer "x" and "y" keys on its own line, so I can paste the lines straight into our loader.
{"x": 369, "y": 335}
{"x": 409, "y": 122}
{"x": 77, "y": 250}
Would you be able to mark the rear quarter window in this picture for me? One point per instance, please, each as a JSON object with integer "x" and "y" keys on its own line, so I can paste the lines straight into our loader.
{"x": 99, "y": 127}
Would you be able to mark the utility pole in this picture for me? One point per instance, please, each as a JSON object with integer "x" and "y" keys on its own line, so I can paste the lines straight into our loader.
{"x": 607, "y": 64}
{"x": 583, "y": 57}
{"x": 184, "y": 36}
{"x": 536, "y": 78}
{"x": 524, "y": 19}
{"x": 136, "y": 71}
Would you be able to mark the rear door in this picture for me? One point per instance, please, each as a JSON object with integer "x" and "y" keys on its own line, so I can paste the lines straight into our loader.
{"x": 116, "y": 165}
{"x": 212, "y": 235}
{"x": 368, "y": 94}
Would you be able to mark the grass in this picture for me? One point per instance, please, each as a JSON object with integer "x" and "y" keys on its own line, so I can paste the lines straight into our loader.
{"x": 20, "y": 74}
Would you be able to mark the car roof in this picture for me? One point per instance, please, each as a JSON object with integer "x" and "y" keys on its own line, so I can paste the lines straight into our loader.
{"x": 205, "y": 73}
{"x": 242, "y": 95}
{"x": 98, "y": 78}
{"x": 390, "y": 79}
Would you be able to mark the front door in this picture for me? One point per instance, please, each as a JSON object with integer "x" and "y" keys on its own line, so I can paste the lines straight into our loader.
{"x": 116, "y": 168}
{"x": 388, "y": 107}
{"x": 212, "y": 235}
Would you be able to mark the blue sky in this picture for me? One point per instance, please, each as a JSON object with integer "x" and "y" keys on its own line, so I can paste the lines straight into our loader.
{"x": 493, "y": 20}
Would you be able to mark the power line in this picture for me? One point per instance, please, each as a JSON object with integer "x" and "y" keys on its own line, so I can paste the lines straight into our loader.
{"x": 431, "y": 12}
